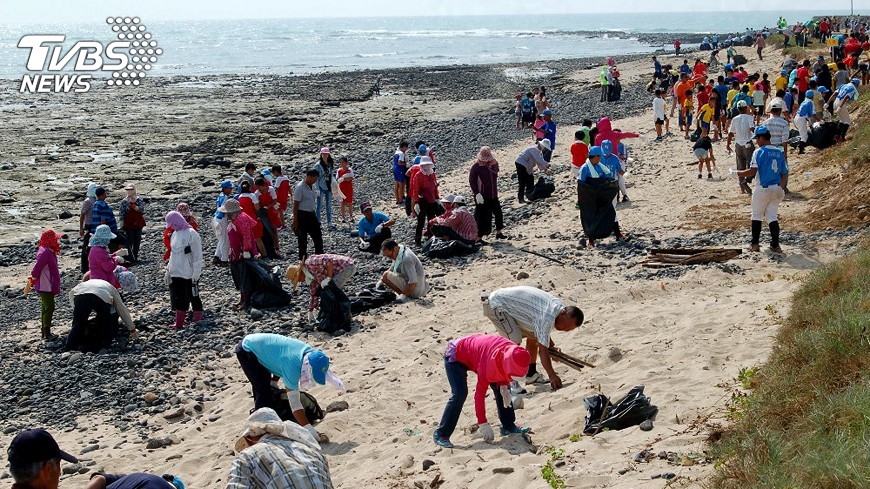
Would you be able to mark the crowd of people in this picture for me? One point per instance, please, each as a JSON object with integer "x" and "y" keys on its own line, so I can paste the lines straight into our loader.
{"x": 751, "y": 112}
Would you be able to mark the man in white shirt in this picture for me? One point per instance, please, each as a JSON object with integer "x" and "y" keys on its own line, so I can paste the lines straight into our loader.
{"x": 741, "y": 133}
{"x": 530, "y": 313}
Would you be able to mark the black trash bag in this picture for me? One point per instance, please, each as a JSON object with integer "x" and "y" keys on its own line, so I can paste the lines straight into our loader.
{"x": 542, "y": 189}
{"x": 368, "y": 299}
{"x": 614, "y": 91}
{"x": 261, "y": 282}
{"x": 633, "y": 409}
{"x": 596, "y": 208}
{"x": 282, "y": 406}
{"x": 334, "y": 311}
{"x": 483, "y": 218}
{"x": 739, "y": 59}
{"x": 822, "y": 136}
{"x": 441, "y": 248}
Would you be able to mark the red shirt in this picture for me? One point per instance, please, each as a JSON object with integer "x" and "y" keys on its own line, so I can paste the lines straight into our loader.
{"x": 803, "y": 79}
{"x": 424, "y": 187}
{"x": 703, "y": 97}
{"x": 579, "y": 153}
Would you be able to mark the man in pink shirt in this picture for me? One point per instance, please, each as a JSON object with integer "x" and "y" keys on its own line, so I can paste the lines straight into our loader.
{"x": 496, "y": 361}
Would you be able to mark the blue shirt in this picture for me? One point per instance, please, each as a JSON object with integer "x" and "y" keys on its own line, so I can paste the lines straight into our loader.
{"x": 613, "y": 164}
{"x": 367, "y": 229}
{"x": 722, "y": 90}
{"x": 280, "y": 355}
{"x": 657, "y": 66}
{"x": 136, "y": 481}
{"x": 220, "y": 201}
{"x": 550, "y": 127}
{"x": 742, "y": 96}
{"x": 789, "y": 101}
{"x": 684, "y": 68}
{"x": 807, "y": 109}
{"x": 100, "y": 212}
{"x": 771, "y": 165}
{"x": 586, "y": 175}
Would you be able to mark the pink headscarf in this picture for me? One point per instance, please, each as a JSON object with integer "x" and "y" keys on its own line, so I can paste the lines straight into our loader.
{"x": 49, "y": 239}
{"x": 485, "y": 157}
{"x": 176, "y": 221}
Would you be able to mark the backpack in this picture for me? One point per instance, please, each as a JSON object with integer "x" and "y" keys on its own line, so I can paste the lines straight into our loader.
{"x": 309, "y": 404}
{"x": 527, "y": 106}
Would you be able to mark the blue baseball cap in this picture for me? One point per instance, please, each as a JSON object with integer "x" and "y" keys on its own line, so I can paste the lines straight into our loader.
{"x": 595, "y": 151}
{"x": 762, "y": 131}
{"x": 227, "y": 184}
{"x": 423, "y": 149}
{"x": 810, "y": 94}
{"x": 319, "y": 365}
{"x": 547, "y": 112}
{"x": 856, "y": 81}
{"x": 823, "y": 90}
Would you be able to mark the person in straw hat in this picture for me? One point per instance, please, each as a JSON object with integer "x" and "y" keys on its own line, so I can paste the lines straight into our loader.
{"x": 275, "y": 453}
{"x": 316, "y": 272}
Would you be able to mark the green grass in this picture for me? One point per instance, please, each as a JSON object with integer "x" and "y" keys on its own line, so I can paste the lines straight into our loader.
{"x": 807, "y": 421}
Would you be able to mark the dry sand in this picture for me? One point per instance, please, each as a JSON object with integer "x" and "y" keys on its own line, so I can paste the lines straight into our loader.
{"x": 685, "y": 339}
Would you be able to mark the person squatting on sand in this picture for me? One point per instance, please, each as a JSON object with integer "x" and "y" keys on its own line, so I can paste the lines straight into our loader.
{"x": 373, "y": 229}
{"x": 316, "y": 272}
{"x": 530, "y": 313}
{"x": 279, "y": 454}
{"x": 496, "y": 361}
{"x": 297, "y": 363}
{"x": 406, "y": 276}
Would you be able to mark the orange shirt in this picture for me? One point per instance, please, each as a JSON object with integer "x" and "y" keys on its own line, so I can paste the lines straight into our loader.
{"x": 681, "y": 88}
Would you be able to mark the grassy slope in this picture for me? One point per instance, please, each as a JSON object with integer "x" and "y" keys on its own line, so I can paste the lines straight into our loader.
{"x": 807, "y": 420}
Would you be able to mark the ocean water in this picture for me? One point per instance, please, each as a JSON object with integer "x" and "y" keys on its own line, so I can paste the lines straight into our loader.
{"x": 297, "y": 46}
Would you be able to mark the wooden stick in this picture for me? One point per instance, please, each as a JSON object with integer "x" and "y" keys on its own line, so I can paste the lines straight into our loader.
{"x": 568, "y": 360}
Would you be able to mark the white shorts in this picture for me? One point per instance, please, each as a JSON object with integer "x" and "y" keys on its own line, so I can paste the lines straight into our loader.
{"x": 765, "y": 202}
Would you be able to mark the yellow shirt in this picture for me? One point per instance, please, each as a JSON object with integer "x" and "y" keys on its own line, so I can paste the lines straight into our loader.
{"x": 781, "y": 82}
{"x": 688, "y": 105}
{"x": 706, "y": 113}
{"x": 731, "y": 94}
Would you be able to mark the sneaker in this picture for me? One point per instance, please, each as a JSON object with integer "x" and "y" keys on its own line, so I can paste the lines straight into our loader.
{"x": 754, "y": 247}
{"x": 624, "y": 199}
{"x": 591, "y": 243}
{"x": 700, "y": 176}
{"x": 537, "y": 378}
{"x": 776, "y": 249}
{"x": 441, "y": 441}
{"x": 516, "y": 430}
{"x": 500, "y": 236}
{"x": 660, "y": 139}
{"x": 709, "y": 176}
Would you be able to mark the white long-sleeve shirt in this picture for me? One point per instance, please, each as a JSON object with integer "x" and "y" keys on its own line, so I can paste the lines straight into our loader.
{"x": 181, "y": 264}
{"x": 108, "y": 293}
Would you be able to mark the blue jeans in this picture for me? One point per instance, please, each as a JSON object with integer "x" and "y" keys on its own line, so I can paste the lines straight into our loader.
{"x": 328, "y": 197}
{"x": 457, "y": 376}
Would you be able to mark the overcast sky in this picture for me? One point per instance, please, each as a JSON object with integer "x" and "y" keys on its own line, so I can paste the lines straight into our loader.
{"x": 50, "y": 11}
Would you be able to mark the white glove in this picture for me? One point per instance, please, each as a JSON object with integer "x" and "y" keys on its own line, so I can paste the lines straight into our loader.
{"x": 324, "y": 282}
{"x": 505, "y": 392}
{"x": 486, "y": 433}
{"x": 417, "y": 208}
{"x": 120, "y": 260}
{"x": 312, "y": 432}
{"x": 478, "y": 198}
{"x": 122, "y": 252}
{"x": 246, "y": 255}
{"x": 166, "y": 277}
{"x": 517, "y": 401}
{"x": 311, "y": 318}
{"x": 732, "y": 171}
{"x": 379, "y": 228}
{"x": 402, "y": 299}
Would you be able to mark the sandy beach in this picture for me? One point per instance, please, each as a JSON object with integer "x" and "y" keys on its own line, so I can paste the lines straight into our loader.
{"x": 683, "y": 332}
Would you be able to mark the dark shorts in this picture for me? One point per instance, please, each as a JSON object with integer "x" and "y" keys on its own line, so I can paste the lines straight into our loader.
{"x": 659, "y": 122}
{"x": 705, "y": 125}
{"x": 399, "y": 174}
{"x": 528, "y": 118}
{"x": 759, "y": 109}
